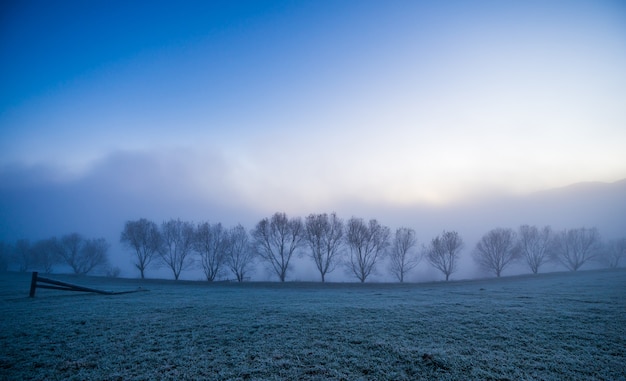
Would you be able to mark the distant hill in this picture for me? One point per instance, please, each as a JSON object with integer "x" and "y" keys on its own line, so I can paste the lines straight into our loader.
{"x": 598, "y": 204}
{"x": 582, "y": 204}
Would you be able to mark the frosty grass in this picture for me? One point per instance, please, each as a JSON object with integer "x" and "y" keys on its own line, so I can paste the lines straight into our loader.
{"x": 552, "y": 326}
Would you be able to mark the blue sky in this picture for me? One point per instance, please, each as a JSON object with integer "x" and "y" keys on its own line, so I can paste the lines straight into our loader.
{"x": 305, "y": 105}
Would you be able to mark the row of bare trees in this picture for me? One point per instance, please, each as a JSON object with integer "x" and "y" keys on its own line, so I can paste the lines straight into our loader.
{"x": 179, "y": 244}
{"x": 81, "y": 255}
{"x": 274, "y": 241}
{"x": 535, "y": 246}
{"x": 356, "y": 245}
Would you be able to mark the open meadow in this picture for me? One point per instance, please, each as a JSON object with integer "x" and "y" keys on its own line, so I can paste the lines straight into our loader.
{"x": 551, "y": 326}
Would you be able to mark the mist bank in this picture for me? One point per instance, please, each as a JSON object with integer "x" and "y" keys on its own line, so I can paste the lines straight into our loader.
{"x": 35, "y": 204}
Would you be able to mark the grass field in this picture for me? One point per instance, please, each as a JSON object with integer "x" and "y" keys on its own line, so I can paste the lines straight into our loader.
{"x": 552, "y": 326}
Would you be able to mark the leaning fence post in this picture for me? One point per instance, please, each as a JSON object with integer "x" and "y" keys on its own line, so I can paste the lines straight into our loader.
{"x": 33, "y": 284}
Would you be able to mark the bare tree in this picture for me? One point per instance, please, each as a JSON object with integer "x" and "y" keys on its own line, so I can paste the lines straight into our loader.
{"x": 23, "y": 255}
{"x": 534, "y": 245}
{"x": 324, "y": 235}
{"x": 276, "y": 239}
{"x": 443, "y": 252}
{"x": 239, "y": 254}
{"x": 496, "y": 250}
{"x": 46, "y": 252}
{"x": 211, "y": 244}
{"x": 83, "y": 256}
{"x": 613, "y": 252}
{"x": 144, "y": 238}
{"x": 69, "y": 250}
{"x": 178, "y": 238}
{"x": 403, "y": 255}
{"x": 368, "y": 244}
{"x": 93, "y": 255}
{"x": 574, "y": 247}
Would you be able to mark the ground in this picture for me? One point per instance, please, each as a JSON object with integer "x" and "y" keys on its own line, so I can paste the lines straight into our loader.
{"x": 552, "y": 326}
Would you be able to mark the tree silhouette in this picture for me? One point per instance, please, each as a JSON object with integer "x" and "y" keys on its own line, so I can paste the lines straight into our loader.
{"x": 144, "y": 238}
{"x": 496, "y": 250}
{"x": 324, "y": 234}
{"x": 368, "y": 244}
{"x": 443, "y": 252}
{"x": 403, "y": 256}
{"x": 178, "y": 238}
{"x": 276, "y": 239}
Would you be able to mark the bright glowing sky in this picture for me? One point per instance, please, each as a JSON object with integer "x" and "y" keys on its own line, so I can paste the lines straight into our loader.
{"x": 311, "y": 103}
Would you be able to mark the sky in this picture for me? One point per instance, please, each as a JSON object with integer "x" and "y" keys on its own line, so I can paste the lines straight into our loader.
{"x": 238, "y": 109}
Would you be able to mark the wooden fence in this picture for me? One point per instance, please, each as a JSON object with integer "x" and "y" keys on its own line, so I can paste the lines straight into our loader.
{"x": 41, "y": 282}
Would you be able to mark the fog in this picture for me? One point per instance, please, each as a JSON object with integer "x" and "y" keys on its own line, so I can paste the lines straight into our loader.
{"x": 39, "y": 202}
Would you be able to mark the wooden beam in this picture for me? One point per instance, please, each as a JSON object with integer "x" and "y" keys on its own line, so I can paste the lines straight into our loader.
{"x": 58, "y": 285}
{"x": 33, "y": 284}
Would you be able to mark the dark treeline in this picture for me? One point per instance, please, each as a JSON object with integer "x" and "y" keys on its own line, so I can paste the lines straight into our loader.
{"x": 81, "y": 255}
{"x": 358, "y": 246}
